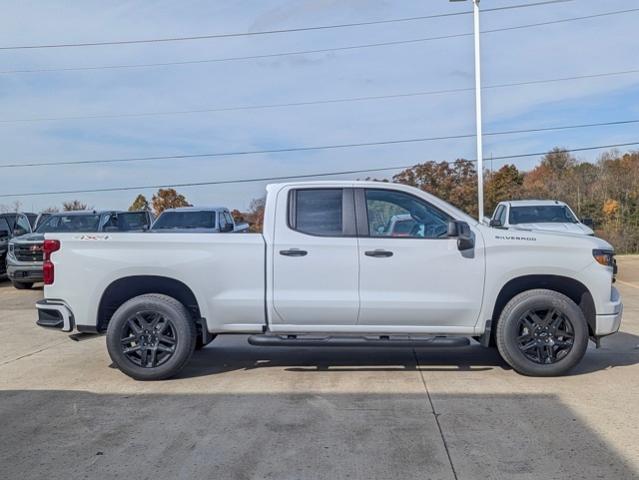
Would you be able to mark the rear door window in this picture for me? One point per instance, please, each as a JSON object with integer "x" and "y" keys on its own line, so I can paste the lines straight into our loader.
{"x": 317, "y": 211}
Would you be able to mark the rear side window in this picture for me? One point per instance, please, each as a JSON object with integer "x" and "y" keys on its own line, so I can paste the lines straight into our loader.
{"x": 317, "y": 211}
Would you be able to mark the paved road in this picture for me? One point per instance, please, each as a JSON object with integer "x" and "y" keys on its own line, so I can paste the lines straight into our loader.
{"x": 241, "y": 412}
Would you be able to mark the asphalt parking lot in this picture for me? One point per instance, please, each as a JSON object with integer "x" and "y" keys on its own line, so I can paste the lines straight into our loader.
{"x": 242, "y": 412}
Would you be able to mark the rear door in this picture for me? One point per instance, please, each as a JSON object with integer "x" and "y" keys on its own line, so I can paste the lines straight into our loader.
{"x": 416, "y": 277}
{"x": 315, "y": 259}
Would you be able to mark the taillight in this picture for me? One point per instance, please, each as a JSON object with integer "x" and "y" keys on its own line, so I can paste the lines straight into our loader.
{"x": 48, "y": 270}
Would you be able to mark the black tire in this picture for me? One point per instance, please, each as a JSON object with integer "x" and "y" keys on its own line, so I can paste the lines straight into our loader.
{"x": 162, "y": 331}
{"x": 22, "y": 285}
{"x": 547, "y": 348}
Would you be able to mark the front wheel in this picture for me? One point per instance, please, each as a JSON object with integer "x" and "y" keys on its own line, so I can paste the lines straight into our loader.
{"x": 22, "y": 285}
{"x": 542, "y": 333}
{"x": 151, "y": 337}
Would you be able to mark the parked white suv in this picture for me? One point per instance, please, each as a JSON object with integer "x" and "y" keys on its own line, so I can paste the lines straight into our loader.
{"x": 327, "y": 272}
{"x": 548, "y": 215}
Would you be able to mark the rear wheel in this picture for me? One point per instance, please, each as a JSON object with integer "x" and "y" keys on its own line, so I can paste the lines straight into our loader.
{"x": 151, "y": 337}
{"x": 22, "y": 285}
{"x": 542, "y": 333}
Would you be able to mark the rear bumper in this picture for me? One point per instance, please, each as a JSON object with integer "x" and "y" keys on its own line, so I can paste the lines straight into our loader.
{"x": 608, "y": 322}
{"x": 55, "y": 314}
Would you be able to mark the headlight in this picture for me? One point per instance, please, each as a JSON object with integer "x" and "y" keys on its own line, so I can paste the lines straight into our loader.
{"x": 604, "y": 257}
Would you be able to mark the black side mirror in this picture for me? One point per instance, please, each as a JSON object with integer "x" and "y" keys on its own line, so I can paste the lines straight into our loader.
{"x": 588, "y": 222}
{"x": 227, "y": 227}
{"x": 462, "y": 231}
{"x": 495, "y": 222}
{"x": 19, "y": 231}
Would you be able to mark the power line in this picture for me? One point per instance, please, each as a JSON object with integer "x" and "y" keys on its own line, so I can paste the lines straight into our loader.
{"x": 279, "y": 31}
{"x": 316, "y": 102}
{"x": 288, "y": 177}
{"x": 311, "y": 148}
{"x": 308, "y": 52}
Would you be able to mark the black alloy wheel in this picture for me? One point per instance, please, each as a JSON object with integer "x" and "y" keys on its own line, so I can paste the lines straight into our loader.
{"x": 545, "y": 336}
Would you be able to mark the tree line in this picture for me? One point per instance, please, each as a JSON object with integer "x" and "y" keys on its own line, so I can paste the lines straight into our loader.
{"x": 606, "y": 191}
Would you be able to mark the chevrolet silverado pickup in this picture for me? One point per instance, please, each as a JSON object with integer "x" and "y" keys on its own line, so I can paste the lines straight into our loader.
{"x": 327, "y": 271}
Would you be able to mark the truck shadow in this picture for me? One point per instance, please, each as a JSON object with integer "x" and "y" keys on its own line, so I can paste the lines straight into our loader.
{"x": 233, "y": 353}
{"x": 286, "y": 435}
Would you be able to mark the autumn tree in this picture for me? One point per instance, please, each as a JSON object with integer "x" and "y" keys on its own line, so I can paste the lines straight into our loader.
{"x": 140, "y": 204}
{"x": 550, "y": 177}
{"x": 504, "y": 184}
{"x": 74, "y": 205}
{"x": 168, "y": 198}
{"x": 454, "y": 182}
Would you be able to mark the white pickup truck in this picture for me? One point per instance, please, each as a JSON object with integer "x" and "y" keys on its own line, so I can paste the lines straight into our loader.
{"x": 328, "y": 272}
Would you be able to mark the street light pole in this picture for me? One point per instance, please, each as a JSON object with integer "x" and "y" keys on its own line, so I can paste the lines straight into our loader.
{"x": 478, "y": 115}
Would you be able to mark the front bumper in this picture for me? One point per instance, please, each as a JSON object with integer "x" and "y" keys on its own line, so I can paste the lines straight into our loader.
{"x": 610, "y": 321}
{"x": 24, "y": 272}
{"x": 55, "y": 314}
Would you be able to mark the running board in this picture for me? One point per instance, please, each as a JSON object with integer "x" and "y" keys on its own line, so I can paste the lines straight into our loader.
{"x": 368, "y": 341}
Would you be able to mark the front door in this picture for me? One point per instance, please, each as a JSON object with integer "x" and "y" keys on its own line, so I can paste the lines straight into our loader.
{"x": 315, "y": 261}
{"x": 411, "y": 273}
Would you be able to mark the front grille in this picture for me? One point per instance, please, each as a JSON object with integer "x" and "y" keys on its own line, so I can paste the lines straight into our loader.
{"x": 28, "y": 252}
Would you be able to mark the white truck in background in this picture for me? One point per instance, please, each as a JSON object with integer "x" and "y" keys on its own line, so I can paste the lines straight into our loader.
{"x": 547, "y": 215}
{"x": 326, "y": 271}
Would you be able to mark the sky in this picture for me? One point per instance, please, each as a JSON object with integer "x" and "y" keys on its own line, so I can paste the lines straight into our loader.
{"x": 591, "y": 46}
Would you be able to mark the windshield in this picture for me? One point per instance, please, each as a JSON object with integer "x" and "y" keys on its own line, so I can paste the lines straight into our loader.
{"x": 183, "y": 220}
{"x": 541, "y": 214}
{"x": 70, "y": 223}
{"x": 132, "y": 221}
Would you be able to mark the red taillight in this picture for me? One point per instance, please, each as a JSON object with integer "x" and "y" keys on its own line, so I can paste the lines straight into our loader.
{"x": 48, "y": 270}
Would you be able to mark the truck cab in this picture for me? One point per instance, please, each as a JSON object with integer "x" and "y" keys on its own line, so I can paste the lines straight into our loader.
{"x": 547, "y": 215}
{"x": 197, "y": 220}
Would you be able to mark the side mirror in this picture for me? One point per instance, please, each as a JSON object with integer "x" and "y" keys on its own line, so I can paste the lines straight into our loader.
{"x": 588, "y": 222}
{"x": 19, "y": 231}
{"x": 495, "y": 222}
{"x": 462, "y": 231}
{"x": 227, "y": 228}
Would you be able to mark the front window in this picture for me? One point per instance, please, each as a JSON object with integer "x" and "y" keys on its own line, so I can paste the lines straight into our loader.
{"x": 398, "y": 214}
{"x": 541, "y": 214}
{"x": 70, "y": 223}
{"x": 185, "y": 220}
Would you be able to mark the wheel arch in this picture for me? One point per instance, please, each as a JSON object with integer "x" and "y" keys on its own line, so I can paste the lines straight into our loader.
{"x": 573, "y": 289}
{"x": 126, "y": 288}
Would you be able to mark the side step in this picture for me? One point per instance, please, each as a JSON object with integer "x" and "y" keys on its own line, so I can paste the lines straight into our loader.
{"x": 368, "y": 341}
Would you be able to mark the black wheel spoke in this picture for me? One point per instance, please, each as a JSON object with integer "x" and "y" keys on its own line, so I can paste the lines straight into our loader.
{"x": 545, "y": 336}
{"x": 148, "y": 339}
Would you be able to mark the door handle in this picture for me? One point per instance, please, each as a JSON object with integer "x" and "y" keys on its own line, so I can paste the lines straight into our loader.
{"x": 378, "y": 253}
{"x": 294, "y": 252}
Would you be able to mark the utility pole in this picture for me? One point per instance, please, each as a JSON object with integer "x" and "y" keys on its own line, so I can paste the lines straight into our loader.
{"x": 478, "y": 115}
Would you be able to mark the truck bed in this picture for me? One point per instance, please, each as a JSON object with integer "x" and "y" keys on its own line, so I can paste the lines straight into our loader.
{"x": 224, "y": 272}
